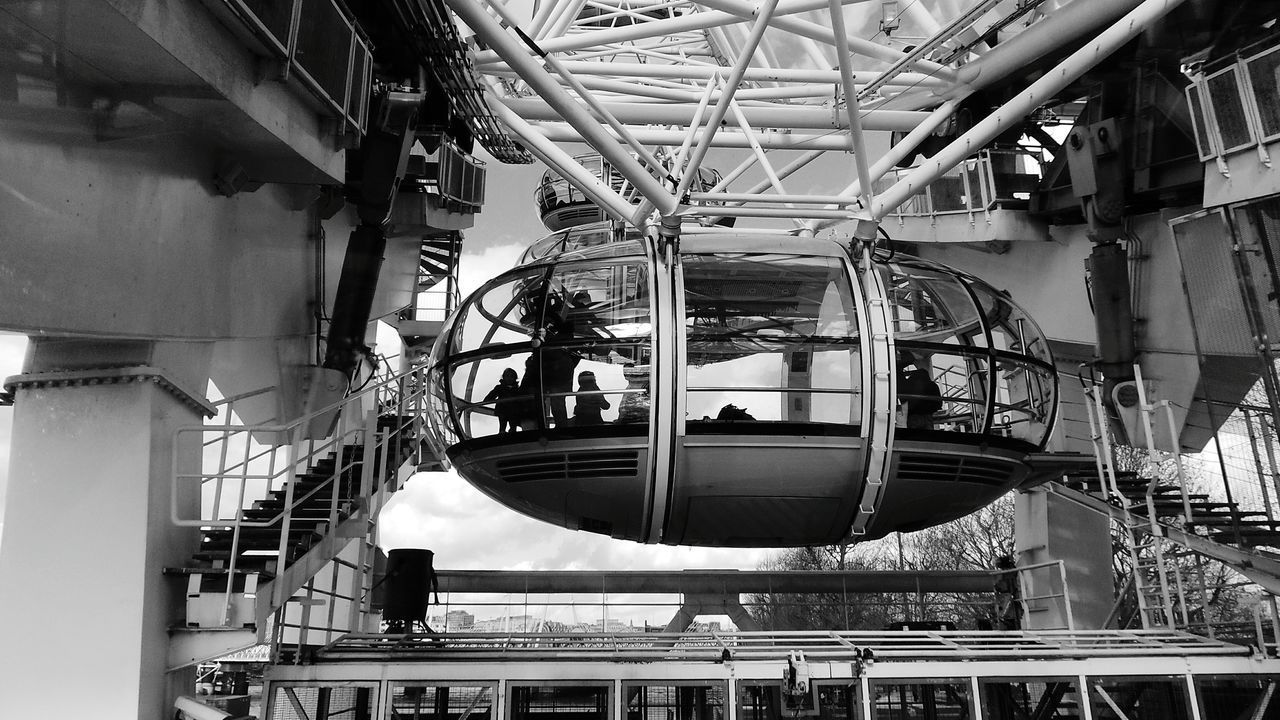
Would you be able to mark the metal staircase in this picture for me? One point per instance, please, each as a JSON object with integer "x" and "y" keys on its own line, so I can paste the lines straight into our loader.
{"x": 285, "y": 515}
{"x": 1171, "y": 534}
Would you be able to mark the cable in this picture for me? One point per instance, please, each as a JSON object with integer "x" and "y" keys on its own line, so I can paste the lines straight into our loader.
{"x": 889, "y": 244}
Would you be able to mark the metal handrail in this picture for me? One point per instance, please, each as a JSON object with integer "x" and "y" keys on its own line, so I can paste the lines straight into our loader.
{"x": 978, "y": 177}
{"x": 1024, "y": 599}
{"x": 250, "y": 475}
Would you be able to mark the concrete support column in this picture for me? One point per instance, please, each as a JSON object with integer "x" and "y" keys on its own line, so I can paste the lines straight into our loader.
{"x": 696, "y": 604}
{"x": 1048, "y": 528}
{"x": 85, "y": 608}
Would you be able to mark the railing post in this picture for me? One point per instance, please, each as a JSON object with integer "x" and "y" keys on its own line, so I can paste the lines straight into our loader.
{"x": 369, "y": 456}
{"x": 1066, "y": 596}
{"x": 1257, "y": 464}
{"x": 1177, "y": 460}
{"x": 282, "y": 553}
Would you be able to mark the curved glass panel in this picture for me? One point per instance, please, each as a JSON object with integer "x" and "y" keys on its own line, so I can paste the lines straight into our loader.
{"x": 584, "y": 331}
{"x": 504, "y": 312}
{"x": 1024, "y": 391}
{"x": 770, "y": 338}
{"x": 931, "y": 305}
{"x": 582, "y": 240}
{"x": 493, "y": 395}
{"x": 543, "y": 248}
{"x": 943, "y": 362}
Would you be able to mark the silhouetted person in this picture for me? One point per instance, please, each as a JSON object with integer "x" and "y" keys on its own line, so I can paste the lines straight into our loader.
{"x": 1008, "y": 609}
{"x": 557, "y": 363}
{"x": 506, "y": 405}
{"x": 920, "y": 395}
{"x": 590, "y": 402}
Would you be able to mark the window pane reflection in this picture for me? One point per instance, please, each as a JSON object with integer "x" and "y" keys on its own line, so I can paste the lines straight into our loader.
{"x": 770, "y": 338}
{"x": 565, "y": 385}
{"x": 931, "y": 306}
{"x": 500, "y": 314}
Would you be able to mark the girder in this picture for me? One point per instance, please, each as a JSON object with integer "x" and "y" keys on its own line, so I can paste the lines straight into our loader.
{"x": 654, "y": 86}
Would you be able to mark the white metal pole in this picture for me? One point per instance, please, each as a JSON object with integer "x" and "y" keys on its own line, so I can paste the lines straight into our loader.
{"x": 561, "y": 132}
{"x": 762, "y": 16}
{"x": 1063, "y": 26}
{"x": 758, "y": 151}
{"x": 554, "y": 157}
{"x": 790, "y": 118}
{"x": 904, "y": 147}
{"x": 566, "y": 13}
{"x": 647, "y": 71}
{"x": 851, "y": 108}
{"x": 541, "y": 15}
{"x": 543, "y": 83}
{"x": 814, "y": 31}
{"x": 765, "y": 165}
{"x": 784, "y": 173}
{"x": 1023, "y": 103}
{"x": 641, "y": 151}
{"x": 687, "y": 140}
{"x": 657, "y": 29}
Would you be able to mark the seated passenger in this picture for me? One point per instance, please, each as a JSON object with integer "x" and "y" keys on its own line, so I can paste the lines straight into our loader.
{"x": 733, "y": 413}
{"x": 590, "y": 402}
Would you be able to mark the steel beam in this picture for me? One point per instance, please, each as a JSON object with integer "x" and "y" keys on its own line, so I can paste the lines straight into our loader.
{"x": 716, "y": 581}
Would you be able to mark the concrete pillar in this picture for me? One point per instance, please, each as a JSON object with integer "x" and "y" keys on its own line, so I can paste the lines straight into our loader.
{"x": 1048, "y": 528}
{"x": 84, "y": 606}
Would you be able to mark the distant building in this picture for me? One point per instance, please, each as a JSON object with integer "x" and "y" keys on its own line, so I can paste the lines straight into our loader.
{"x": 453, "y": 620}
{"x": 612, "y": 625}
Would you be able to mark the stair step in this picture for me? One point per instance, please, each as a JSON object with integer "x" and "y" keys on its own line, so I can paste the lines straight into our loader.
{"x": 1228, "y": 521}
{"x": 252, "y": 544}
{"x": 259, "y": 535}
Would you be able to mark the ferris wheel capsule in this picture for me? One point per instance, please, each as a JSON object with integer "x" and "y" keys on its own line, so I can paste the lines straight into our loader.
{"x": 754, "y": 390}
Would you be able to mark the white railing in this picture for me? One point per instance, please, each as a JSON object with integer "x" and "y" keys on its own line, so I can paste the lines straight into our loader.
{"x": 977, "y": 185}
{"x": 1033, "y": 600}
{"x": 1234, "y": 106}
{"x": 241, "y": 464}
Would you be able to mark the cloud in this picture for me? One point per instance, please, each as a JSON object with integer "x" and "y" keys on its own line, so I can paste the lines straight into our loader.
{"x": 480, "y": 265}
{"x": 469, "y": 531}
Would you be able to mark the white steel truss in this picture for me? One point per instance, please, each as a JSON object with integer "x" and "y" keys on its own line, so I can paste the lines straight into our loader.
{"x": 657, "y": 87}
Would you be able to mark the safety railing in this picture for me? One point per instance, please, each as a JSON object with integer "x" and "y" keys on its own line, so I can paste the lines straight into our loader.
{"x": 259, "y": 478}
{"x": 629, "y": 611}
{"x": 1234, "y": 104}
{"x": 1037, "y": 593}
{"x": 314, "y": 42}
{"x": 1172, "y": 584}
{"x": 978, "y": 185}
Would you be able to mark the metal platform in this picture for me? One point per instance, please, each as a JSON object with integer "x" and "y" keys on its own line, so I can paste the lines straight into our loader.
{"x": 719, "y": 647}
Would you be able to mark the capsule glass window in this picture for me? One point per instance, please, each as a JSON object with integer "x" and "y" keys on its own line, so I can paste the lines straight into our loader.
{"x": 943, "y": 362}
{"x": 770, "y": 338}
{"x": 505, "y": 312}
{"x": 1023, "y": 382}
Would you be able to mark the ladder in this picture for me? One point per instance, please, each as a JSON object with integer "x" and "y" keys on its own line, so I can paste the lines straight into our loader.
{"x": 1142, "y": 535}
